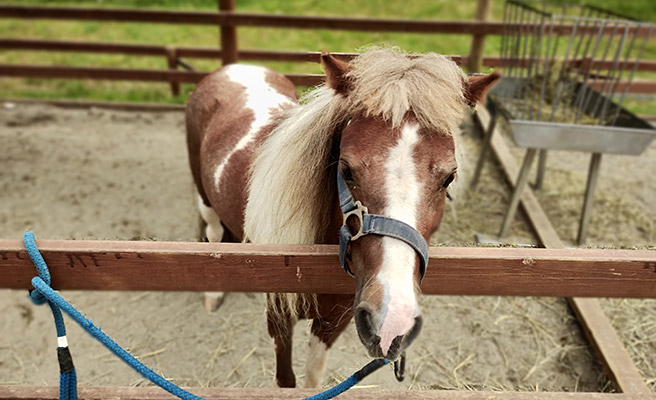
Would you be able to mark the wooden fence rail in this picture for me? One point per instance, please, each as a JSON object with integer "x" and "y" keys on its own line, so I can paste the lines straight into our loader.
{"x": 254, "y": 55}
{"x": 129, "y": 265}
{"x": 175, "y": 76}
{"x": 151, "y": 75}
{"x": 233, "y": 18}
{"x": 218, "y": 393}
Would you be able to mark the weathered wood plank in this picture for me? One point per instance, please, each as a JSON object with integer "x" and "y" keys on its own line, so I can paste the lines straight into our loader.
{"x": 475, "y": 59}
{"x": 106, "y": 265}
{"x": 281, "y": 21}
{"x": 63, "y": 72}
{"x": 156, "y": 75}
{"x": 250, "y": 19}
{"x": 128, "y": 74}
{"x": 112, "y": 105}
{"x": 261, "y": 55}
{"x": 228, "y": 35}
{"x": 601, "y": 334}
{"x": 154, "y": 393}
{"x": 603, "y": 338}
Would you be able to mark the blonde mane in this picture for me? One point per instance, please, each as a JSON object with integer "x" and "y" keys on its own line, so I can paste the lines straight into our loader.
{"x": 287, "y": 202}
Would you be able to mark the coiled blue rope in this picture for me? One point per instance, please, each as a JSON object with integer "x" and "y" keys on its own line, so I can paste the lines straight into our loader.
{"x": 43, "y": 293}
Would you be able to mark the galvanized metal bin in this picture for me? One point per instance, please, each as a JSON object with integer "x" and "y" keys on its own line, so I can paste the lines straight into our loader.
{"x": 566, "y": 71}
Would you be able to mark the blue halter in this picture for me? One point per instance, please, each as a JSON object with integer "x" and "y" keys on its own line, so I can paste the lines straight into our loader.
{"x": 376, "y": 225}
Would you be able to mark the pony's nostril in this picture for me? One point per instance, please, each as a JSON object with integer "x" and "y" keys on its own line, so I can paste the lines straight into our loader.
{"x": 364, "y": 324}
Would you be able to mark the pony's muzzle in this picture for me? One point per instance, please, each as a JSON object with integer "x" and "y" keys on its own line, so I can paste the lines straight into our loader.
{"x": 367, "y": 328}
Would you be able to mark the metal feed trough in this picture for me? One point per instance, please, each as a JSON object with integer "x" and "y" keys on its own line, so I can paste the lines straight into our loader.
{"x": 563, "y": 87}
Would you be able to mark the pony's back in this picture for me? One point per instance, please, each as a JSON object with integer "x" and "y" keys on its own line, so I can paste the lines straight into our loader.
{"x": 227, "y": 116}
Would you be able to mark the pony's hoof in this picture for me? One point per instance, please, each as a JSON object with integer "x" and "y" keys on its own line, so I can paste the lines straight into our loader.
{"x": 288, "y": 382}
{"x": 213, "y": 301}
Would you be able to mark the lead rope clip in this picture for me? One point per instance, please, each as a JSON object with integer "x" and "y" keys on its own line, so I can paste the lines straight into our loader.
{"x": 399, "y": 368}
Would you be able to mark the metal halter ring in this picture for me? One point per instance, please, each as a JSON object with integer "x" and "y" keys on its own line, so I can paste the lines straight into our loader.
{"x": 359, "y": 212}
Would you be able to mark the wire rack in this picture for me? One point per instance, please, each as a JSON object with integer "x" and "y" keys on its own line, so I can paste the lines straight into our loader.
{"x": 566, "y": 71}
{"x": 566, "y": 63}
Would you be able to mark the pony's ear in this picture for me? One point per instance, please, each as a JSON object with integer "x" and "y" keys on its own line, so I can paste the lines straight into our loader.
{"x": 336, "y": 73}
{"x": 476, "y": 87}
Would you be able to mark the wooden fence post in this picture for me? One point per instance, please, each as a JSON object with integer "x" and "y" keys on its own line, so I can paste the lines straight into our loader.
{"x": 228, "y": 36}
{"x": 172, "y": 60}
{"x": 475, "y": 58}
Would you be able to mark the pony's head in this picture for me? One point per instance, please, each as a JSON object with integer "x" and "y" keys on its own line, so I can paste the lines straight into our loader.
{"x": 388, "y": 121}
{"x": 397, "y": 155}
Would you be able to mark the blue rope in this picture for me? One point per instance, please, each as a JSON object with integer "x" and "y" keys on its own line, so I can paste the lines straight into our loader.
{"x": 67, "y": 377}
{"x": 350, "y": 381}
{"x": 68, "y": 381}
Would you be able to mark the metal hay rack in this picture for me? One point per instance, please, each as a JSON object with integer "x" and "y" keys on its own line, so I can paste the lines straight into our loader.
{"x": 566, "y": 71}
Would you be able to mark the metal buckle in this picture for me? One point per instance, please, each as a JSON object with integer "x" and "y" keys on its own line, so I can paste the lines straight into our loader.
{"x": 359, "y": 212}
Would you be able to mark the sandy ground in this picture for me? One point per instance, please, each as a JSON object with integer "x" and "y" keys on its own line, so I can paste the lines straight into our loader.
{"x": 97, "y": 174}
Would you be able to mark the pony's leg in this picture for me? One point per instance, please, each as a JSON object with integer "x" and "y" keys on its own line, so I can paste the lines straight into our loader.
{"x": 214, "y": 233}
{"x": 281, "y": 329}
{"x": 338, "y": 311}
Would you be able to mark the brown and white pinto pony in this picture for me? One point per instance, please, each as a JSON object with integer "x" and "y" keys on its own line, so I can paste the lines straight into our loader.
{"x": 265, "y": 169}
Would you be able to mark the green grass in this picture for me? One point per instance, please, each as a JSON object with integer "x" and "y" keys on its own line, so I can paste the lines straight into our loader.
{"x": 640, "y": 104}
{"x": 249, "y": 38}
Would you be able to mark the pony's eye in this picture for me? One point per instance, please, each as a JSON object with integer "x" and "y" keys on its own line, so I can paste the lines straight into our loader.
{"x": 347, "y": 174}
{"x": 448, "y": 180}
{"x": 346, "y": 171}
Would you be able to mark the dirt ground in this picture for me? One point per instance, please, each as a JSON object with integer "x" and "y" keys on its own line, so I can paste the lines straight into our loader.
{"x": 98, "y": 174}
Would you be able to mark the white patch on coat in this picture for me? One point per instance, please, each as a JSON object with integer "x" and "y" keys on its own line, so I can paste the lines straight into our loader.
{"x": 261, "y": 98}
{"x": 214, "y": 229}
{"x": 397, "y": 270}
{"x": 213, "y": 233}
{"x": 315, "y": 366}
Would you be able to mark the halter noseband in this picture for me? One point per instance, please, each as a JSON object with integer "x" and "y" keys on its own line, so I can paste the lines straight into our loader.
{"x": 372, "y": 224}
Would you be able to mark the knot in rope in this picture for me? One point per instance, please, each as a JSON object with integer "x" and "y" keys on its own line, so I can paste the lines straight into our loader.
{"x": 35, "y": 295}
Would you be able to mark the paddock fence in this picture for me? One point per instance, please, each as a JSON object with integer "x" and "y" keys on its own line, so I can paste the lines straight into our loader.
{"x": 227, "y": 19}
{"x": 175, "y": 266}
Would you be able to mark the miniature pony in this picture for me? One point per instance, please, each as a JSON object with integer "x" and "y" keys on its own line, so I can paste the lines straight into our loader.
{"x": 266, "y": 168}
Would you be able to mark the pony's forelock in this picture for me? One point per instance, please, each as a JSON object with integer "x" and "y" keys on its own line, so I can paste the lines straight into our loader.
{"x": 388, "y": 82}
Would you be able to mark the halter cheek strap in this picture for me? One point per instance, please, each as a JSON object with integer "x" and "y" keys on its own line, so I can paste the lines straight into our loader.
{"x": 372, "y": 224}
